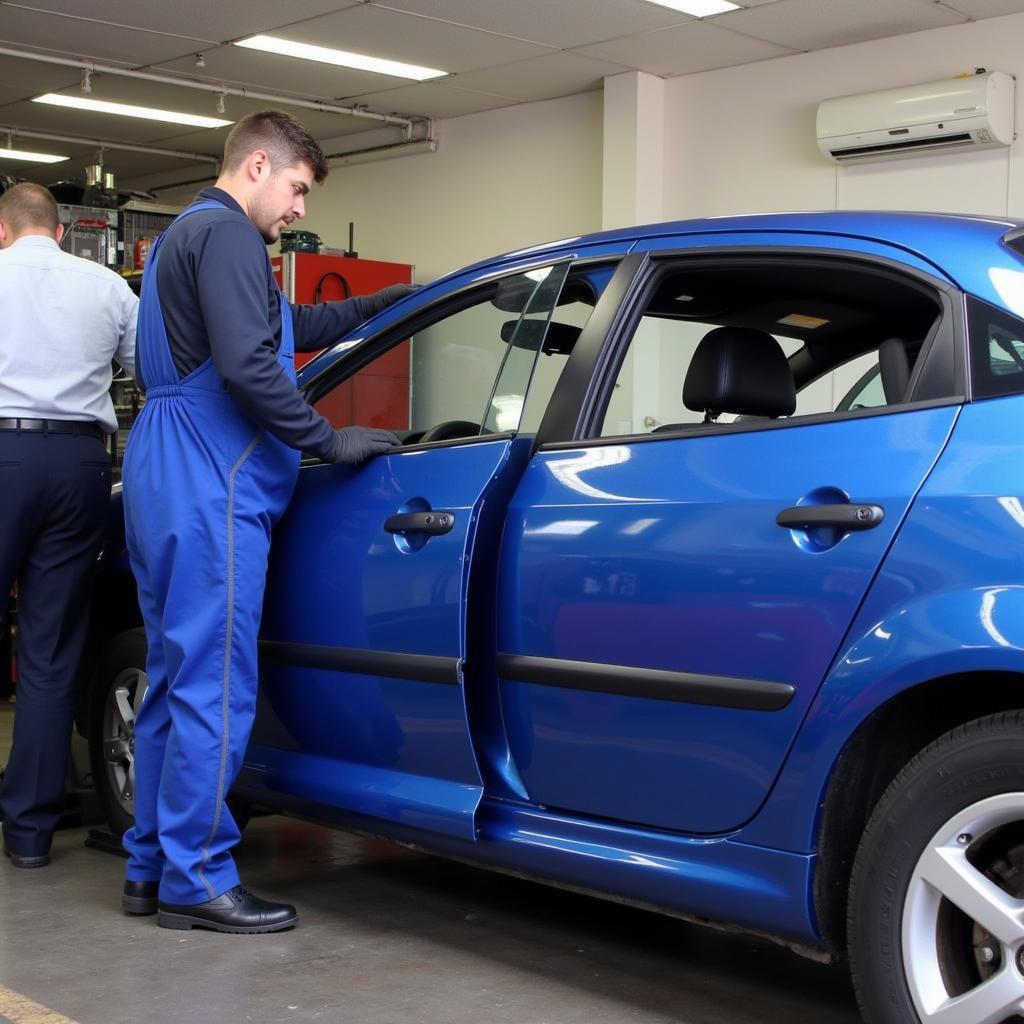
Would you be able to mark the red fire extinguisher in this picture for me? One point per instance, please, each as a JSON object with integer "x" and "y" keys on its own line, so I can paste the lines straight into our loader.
{"x": 142, "y": 246}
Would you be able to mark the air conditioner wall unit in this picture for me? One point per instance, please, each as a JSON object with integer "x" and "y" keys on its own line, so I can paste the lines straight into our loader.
{"x": 976, "y": 112}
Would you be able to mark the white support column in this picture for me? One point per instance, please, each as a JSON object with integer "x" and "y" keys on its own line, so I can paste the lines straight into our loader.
{"x": 633, "y": 193}
{"x": 634, "y": 150}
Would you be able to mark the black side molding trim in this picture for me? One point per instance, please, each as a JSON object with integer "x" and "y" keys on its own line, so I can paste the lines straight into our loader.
{"x": 657, "y": 684}
{"x": 429, "y": 668}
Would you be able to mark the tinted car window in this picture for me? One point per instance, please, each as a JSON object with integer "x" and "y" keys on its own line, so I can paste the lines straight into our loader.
{"x": 997, "y": 351}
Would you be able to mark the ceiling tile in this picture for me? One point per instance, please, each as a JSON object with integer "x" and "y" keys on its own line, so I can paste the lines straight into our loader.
{"x": 433, "y": 100}
{"x": 685, "y": 49}
{"x": 216, "y": 22}
{"x": 985, "y": 8}
{"x": 817, "y": 24}
{"x": 270, "y": 72}
{"x": 84, "y": 38}
{"x": 555, "y": 74}
{"x": 408, "y": 37}
{"x": 556, "y": 24}
{"x": 29, "y": 78}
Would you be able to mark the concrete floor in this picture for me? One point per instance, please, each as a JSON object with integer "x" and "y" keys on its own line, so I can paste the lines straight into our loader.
{"x": 386, "y": 937}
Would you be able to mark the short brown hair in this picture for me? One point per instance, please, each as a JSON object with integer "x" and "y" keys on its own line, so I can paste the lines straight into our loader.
{"x": 27, "y": 205}
{"x": 287, "y": 143}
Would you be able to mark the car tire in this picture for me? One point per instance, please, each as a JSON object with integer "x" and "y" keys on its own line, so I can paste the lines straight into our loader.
{"x": 118, "y": 691}
{"x": 935, "y": 918}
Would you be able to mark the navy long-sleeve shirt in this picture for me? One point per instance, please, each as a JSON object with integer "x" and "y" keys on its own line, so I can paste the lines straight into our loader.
{"x": 220, "y": 301}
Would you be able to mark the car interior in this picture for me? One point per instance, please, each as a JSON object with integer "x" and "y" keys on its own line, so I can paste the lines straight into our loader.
{"x": 773, "y": 338}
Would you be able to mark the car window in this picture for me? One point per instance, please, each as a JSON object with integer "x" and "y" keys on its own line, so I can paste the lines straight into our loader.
{"x": 816, "y": 333}
{"x": 867, "y": 391}
{"x": 583, "y": 288}
{"x": 466, "y": 373}
{"x": 997, "y": 351}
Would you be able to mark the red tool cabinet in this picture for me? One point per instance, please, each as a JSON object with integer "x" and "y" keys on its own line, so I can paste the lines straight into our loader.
{"x": 377, "y": 396}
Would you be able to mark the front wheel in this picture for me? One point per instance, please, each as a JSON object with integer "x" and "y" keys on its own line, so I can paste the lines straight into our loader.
{"x": 120, "y": 687}
{"x": 936, "y": 909}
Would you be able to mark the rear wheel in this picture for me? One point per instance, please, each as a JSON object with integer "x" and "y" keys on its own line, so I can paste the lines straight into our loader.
{"x": 936, "y": 910}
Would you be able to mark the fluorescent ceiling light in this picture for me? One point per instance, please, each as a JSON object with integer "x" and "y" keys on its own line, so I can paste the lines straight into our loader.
{"x": 306, "y": 51}
{"x": 128, "y": 110}
{"x": 36, "y": 158}
{"x": 698, "y": 8}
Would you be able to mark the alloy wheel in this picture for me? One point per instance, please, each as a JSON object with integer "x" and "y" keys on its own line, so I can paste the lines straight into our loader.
{"x": 963, "y": 917}
{"x": 124, "y": 698}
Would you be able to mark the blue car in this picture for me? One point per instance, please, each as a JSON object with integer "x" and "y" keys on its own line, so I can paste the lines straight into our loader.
{"x": 697, "y": 583}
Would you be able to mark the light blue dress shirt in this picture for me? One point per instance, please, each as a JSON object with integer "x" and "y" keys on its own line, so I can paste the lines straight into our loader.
{"x": 62, "y": 320}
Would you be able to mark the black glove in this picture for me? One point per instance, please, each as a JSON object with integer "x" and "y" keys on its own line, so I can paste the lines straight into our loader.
{"x": 353, "y": 445}
{"x": 373, "y": 304}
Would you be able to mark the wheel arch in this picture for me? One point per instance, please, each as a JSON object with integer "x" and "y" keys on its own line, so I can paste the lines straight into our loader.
{"x": 872, "y": 757}
{"x": 115, "y": 608}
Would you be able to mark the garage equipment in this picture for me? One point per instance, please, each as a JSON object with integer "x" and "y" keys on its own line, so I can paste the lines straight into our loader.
{"x": 378, "y": 397}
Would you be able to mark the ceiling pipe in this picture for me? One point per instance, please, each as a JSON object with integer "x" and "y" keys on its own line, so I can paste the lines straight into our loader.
{"x": 24, "y": 133}
{"x": 342, "y": 159}
{"x": 360, "y": 156}
{"x": 405, "y": 123}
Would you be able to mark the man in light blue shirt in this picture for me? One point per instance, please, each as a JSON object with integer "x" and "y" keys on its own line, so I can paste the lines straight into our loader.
{"x": 64, "y": 320}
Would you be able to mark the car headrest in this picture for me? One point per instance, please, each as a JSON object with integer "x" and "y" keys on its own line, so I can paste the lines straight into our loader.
{"x": 894, "y": 369}
{"x": 739, "y": 370}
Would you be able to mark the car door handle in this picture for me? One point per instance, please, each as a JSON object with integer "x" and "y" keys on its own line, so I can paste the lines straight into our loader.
{"x": 430, "y": 523}
{"x": 841, "y": 517}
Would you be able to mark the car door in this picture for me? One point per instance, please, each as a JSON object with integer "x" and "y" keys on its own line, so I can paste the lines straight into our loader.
{"x": 668, "y": 601}
{"x": 362, "y": 705}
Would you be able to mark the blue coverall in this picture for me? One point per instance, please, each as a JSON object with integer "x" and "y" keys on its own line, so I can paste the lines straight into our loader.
{"x": 203, "y": 486}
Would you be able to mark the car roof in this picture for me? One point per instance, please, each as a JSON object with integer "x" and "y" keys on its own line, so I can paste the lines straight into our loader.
{"x": 962, "y": 248}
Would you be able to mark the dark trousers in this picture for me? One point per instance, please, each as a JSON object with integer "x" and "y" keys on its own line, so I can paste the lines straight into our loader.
{"x": 54, "y": 500}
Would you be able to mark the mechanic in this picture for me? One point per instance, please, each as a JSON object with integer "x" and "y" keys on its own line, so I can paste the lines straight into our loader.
{"x": 65, "y": 319}
{"x": 210, "y": 466}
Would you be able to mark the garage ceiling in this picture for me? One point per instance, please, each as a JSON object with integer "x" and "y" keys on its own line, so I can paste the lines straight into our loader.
{"x": 498, "y": 53}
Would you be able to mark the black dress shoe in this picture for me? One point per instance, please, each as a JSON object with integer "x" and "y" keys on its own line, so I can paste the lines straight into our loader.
{"x": 21, "y": 860}
{"x": 140, "y": 897}
{"x": 236, "y": 910}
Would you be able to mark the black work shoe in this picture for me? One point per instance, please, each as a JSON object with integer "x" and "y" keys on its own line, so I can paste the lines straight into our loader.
{"x": 236, "y": 910}
{"x": 22, "y": 860}
{"x": 140, "y": 897}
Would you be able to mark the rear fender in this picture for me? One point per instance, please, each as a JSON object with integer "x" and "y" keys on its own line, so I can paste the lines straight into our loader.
{"x": 962, "y": 634}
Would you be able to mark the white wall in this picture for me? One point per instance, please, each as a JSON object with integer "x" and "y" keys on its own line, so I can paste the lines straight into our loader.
{"x": 742, "y": 139}
{"x": 500, "y": 180}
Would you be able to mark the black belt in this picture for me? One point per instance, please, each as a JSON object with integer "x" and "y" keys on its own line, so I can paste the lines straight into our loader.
{"x": 55, "y": 427}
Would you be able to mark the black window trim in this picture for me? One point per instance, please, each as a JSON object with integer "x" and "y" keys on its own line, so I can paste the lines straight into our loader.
{"x": 582, "y": 401}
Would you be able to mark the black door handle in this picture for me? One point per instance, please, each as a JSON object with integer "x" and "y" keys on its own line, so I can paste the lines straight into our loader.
{"x": 840, "y": 517}
{"x": 430, "y": 523}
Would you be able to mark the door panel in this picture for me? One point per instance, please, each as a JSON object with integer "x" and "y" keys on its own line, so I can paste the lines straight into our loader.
{"x": 364, "y": 626}
{"x": 345, "y": 597}
{"x": 665, "y": 555}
